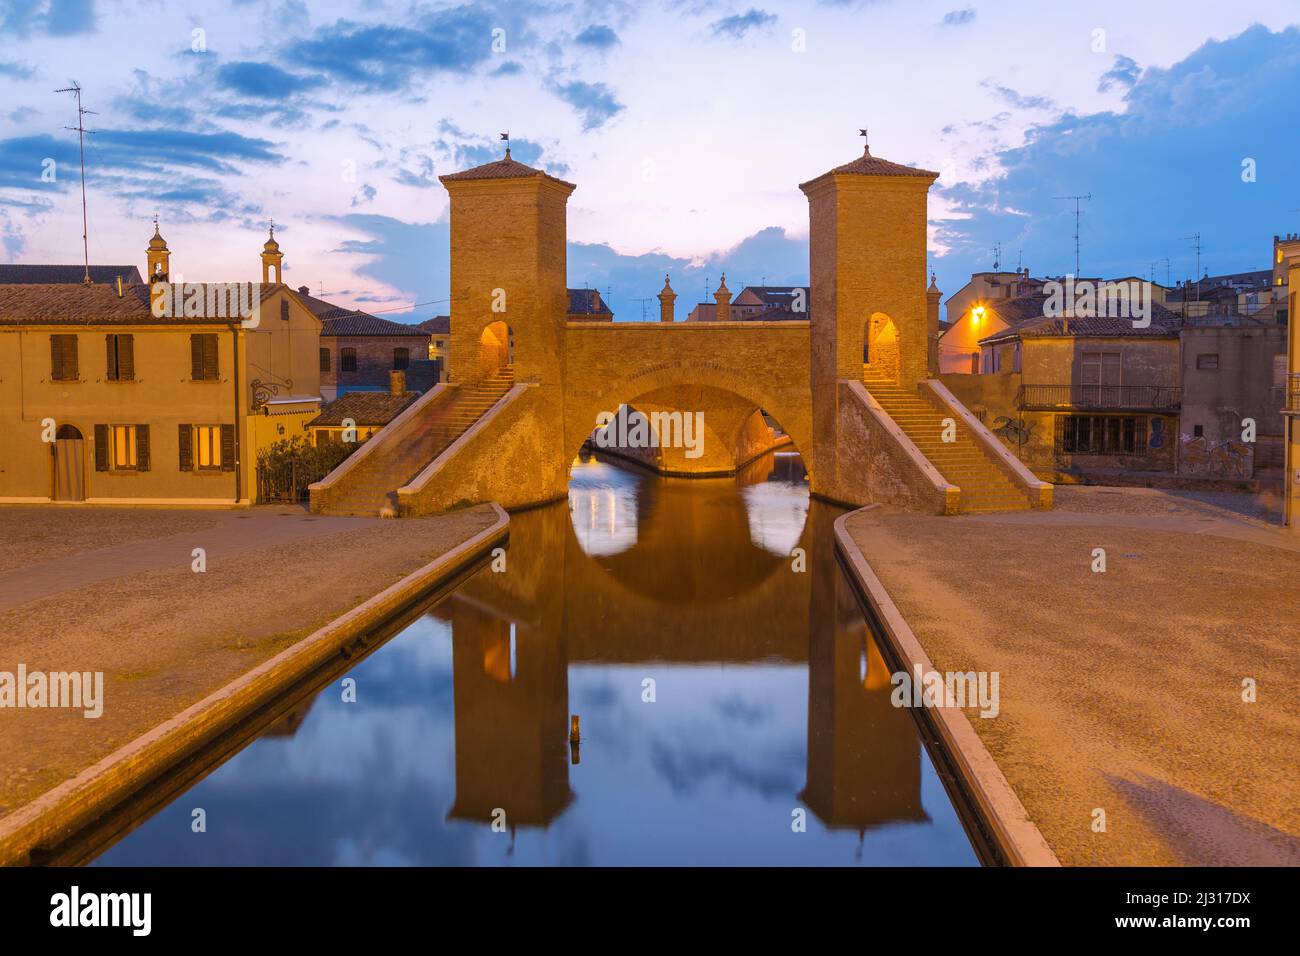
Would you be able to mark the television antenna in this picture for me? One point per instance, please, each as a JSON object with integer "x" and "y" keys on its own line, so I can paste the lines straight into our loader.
{"x": 643, "y": 307}
{"x": 81, "y": 131}
{"x": 1196, "y": 238}
{"x": 1078, "y": 213}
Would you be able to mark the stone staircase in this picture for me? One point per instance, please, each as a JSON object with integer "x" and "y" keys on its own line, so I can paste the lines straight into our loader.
{"x": 964, "y": 463}
{"x": 372, "y": 486}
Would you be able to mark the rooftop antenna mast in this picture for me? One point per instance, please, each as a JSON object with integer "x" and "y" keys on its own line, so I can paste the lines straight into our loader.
{"x": 81, "y": 130}
{"x": 1196, "y": 238}
{"x": 643, "y": 308}
{"x": 1078, "y": 213}
{"x": 997, "y": 256}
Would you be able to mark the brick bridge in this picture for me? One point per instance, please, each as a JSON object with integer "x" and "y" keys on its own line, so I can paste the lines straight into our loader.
{"x": 853, "y": 388}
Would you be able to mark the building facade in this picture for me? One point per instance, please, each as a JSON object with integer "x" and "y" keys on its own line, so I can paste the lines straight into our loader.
{"x": 1080, "y": 396}
{"x": 109, "y": 395}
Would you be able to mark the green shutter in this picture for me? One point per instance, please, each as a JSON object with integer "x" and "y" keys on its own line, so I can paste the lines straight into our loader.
{"x": 101, "y": 448}
{"x": 227, "y": 447}
{"x": 196, "y": 357}
{"x": 185, "y": 437}
{"x": 142, "y": 447}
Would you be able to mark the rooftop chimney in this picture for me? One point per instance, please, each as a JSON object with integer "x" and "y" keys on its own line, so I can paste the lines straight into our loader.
{"x": 397, "y": 382}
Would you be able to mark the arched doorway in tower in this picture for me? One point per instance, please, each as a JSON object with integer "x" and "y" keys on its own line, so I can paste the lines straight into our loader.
{"x": 68, "y": 455}
{"x": 880, "y": 352}
{"x": 496, "y": 348}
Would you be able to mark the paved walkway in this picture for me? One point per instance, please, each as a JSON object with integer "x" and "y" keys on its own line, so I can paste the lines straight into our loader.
{"x": 222, "y": 535}
{"x": 1122, "y": 691}
{"x": 162, "y": 635}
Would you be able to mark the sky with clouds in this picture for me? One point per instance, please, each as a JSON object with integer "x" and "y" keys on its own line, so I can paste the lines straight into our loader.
{"x": 686, "y": 125}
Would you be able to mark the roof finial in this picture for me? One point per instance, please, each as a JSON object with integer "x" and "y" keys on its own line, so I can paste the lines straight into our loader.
{"x": 272, "y": 222}
{"x": 866, "y": 144}
{"x": 506, "y": 137}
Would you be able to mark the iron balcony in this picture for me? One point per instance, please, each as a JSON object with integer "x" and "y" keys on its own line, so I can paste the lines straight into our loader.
{"x": 1101, "y": 397}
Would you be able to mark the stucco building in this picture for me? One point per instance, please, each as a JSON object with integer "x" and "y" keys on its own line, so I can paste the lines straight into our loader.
{"x": 1079, "y": 394}
{"x": 109, "y": 395}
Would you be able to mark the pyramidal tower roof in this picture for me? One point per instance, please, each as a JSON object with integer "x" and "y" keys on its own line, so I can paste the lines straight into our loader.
{"x": 505, "y": 168}
{"x": 868, "y": 165}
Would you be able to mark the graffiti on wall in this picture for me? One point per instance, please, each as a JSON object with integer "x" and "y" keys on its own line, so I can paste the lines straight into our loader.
{"x": 1225, "y": 459}
{"x": 1014, "y": 431}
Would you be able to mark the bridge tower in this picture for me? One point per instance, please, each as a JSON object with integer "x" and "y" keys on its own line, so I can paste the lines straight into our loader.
{"x": 867, "y": 237}
{"x": 508, "y": 272}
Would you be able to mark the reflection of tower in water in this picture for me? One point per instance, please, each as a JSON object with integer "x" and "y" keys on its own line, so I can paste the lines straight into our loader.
{"x": 864, "y": 758}
{"x": 511, "y": 703}
{"x": 694, "y": 588}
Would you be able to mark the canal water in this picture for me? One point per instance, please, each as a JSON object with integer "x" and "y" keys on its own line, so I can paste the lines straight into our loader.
{"x": 733, "y": 708}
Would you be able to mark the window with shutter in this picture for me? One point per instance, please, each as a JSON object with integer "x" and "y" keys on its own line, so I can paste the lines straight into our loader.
{"x": 122, "y": 448}
{"x": 210, "y": 370}
{"x": 142, "y": 447}
{"x": 101, "y": 448}
{"x": 126, "y": 357}
{"x": 63, "y": 358}
{"x": 184, "y": 437}
{"x": 347, "y": 360}
{"x": 227, "y": 447}
{"x": 207, "y": 447}
{"x": 203, "y": 357}
{"x": 324, "y": 360}
{"x": 121, "y": 358}
{"x": 401, "y": 358}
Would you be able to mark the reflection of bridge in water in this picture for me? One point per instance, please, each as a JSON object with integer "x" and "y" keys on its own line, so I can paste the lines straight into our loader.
{"x": 701, "y": 584}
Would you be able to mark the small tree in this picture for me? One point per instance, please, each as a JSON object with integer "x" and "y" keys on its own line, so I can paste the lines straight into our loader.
{"x": 286, "y": 468}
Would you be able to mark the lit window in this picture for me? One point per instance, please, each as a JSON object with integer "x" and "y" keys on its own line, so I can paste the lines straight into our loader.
{"x": 123, "y": 445}
{"x": 207, "y": 446}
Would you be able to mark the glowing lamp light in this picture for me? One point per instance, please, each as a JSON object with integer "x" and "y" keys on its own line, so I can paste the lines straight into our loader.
{"x": 977, "y": 314}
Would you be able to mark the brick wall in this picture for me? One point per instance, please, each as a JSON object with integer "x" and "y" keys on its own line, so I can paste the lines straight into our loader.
{"x": 375, "y": 361}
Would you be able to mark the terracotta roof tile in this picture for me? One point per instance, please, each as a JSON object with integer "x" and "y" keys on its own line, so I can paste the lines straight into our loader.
{"x": 363, "y": 323}
{"x": 868, "y": 165}
{"x": 501, "y": 169}
{"x": 364, "y": 408}
{"x": 1026, "y": 318}
{"x": 68, "y": 304}
{"x": 587, "y": 302}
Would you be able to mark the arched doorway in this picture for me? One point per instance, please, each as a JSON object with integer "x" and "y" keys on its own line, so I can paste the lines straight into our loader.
{"x": 880, "y": 351}
{"x": 68, "y": 456}
{"x": 496, "y": 348}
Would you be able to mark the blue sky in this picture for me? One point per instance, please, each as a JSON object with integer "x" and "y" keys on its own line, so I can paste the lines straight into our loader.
{"x": 687, "y": 127}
